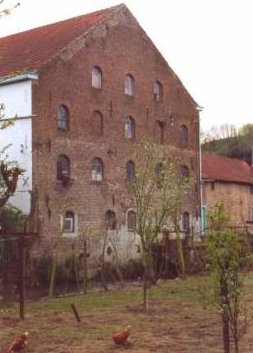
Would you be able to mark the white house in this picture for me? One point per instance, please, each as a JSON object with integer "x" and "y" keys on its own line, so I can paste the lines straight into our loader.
{"x": 16, "y": 95}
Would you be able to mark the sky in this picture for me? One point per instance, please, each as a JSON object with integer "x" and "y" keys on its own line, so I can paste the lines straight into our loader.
{"x": 208, "y": 43}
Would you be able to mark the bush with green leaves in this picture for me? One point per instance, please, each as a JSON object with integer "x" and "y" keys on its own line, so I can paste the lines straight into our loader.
{"x": 225, "y": 258}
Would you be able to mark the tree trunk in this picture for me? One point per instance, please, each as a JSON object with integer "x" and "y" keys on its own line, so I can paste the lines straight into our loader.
{"x": 148, "y": 277}
{"x": 180, "y": 254}
{"x": 225, "y": 317}
{"x": 85, "y": 267}
{"x": 226, "y": 338}
{"x": 53, "y": 274}
{"x": 145, "y": 292}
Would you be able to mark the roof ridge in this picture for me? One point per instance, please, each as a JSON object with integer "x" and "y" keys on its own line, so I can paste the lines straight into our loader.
{"x": 64, "y": 20}
{"x": 113, "y": 10}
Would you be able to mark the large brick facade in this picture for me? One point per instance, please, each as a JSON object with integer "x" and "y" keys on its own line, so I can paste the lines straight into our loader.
{"x": 118, "y": 46}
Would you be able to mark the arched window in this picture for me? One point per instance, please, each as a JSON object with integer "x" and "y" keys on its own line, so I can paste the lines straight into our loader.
{"x": 97, "y": 169}
{"x": 110, "y": 220}
{"x": 130, "y": 171}
{"x": 186, "y": 222}
{"x": 183, "y": 135}
{"x": 96, "y": 77}
{"x": 159, "y": 170}
{"x": 97, "y": 124}
{"x": 158, "y": 91}
{"x": 131, "y": 221}
{"x": 129, "y": 85}
{"x": 63, "y": 117}
{"x": 184, "y": 171}
{"x": 129, "y": 128}
{"x": 63, "y": 167}
{"x": 69, "y": 222}
{"x": 159, "y": 131}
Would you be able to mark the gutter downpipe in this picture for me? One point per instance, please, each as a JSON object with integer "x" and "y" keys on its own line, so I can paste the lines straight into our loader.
{"x": 201, "y": 220}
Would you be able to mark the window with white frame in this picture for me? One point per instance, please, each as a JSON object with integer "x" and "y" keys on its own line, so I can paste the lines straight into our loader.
{"x": 129, "y": 85}
{"x": 97, "y": 169}
{"x": 96, "y": 77}
{"x": 69, "y": 222}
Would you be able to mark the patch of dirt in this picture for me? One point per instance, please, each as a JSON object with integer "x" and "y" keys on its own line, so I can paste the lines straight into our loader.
{"x": 181, "y": 327}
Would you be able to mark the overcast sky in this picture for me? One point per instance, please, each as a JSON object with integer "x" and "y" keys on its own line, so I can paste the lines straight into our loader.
{"x": 208, "y": 43}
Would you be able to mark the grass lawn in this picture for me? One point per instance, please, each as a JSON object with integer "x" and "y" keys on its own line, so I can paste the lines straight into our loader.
{"x": 181, "y": 319}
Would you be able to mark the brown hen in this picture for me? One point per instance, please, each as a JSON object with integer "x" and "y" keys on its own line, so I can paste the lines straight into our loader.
{"x": 120, "y": 337}
{"x": 19, "y": 343}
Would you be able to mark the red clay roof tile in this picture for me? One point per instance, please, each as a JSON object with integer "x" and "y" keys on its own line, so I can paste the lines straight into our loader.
{"x": 226, "y": 169}
{"x": 26, "y": 51}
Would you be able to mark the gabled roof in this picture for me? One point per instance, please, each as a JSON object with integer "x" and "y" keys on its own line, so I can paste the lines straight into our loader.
{"x": 27, "y": 51}
{"x": 221, "y": 168}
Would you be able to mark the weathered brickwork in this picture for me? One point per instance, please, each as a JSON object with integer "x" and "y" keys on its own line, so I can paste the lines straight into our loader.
{"x": 118, "y": 47}
{"x": 237, "y": 199}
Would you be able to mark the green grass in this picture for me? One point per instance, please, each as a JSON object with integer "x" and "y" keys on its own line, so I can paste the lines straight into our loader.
{"x": 174, "y": 304}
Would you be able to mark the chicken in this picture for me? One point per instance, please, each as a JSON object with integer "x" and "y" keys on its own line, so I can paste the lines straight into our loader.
{"x": 120, "y": 337}
{"x": 19, "y": 344}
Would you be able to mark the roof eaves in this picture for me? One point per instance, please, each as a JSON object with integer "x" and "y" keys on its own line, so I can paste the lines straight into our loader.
{"x": 18, "y": 77}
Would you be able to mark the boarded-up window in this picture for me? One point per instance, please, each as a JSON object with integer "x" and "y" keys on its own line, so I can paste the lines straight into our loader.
{"x": 184, "y": 171}
{"x": 131, "y": 221}
{"x": 159, "y": 130}
{"x": 110, "y": 220}
{"x": 129, "y": 128}
{"x": 97, "y": 124}
{"x": 63, "y": 167}
{"x": 183, "y": 135}
{"x": 130, "y": 171}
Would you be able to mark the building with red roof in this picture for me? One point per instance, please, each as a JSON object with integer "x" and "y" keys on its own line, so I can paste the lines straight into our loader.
{"x": 229, "y": 181}
{"x": 83, "y": 93}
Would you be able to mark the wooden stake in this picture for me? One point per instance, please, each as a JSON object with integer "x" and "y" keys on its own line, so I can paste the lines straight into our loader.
{"x": 75, "y": 313}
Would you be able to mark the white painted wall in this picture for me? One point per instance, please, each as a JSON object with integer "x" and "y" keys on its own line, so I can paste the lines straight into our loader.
{"x": 17, "y": 98}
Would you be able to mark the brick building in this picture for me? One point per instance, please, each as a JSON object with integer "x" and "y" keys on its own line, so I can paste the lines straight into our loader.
{"x": 89, "y": 89}
{"x": 230, "y": 181}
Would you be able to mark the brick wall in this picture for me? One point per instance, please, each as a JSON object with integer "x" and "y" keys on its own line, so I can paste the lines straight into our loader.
{"x": 237, "y": 199}
{"x": 117, "y": 47}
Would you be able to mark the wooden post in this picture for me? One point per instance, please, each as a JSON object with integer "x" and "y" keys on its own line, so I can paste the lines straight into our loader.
{"x": 85, "y": 267}
{"x": 21, "y": 275}
{"x": 75, "y": 313}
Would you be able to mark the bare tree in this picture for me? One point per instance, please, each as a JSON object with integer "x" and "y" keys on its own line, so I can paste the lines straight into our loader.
{"x": 157, "y": 192}
{"x": 6, "y": 10}
{"x": 219, "y": 132}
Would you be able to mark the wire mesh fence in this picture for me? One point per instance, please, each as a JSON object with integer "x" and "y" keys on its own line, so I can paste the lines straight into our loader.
{"x": 26, "y": 273}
